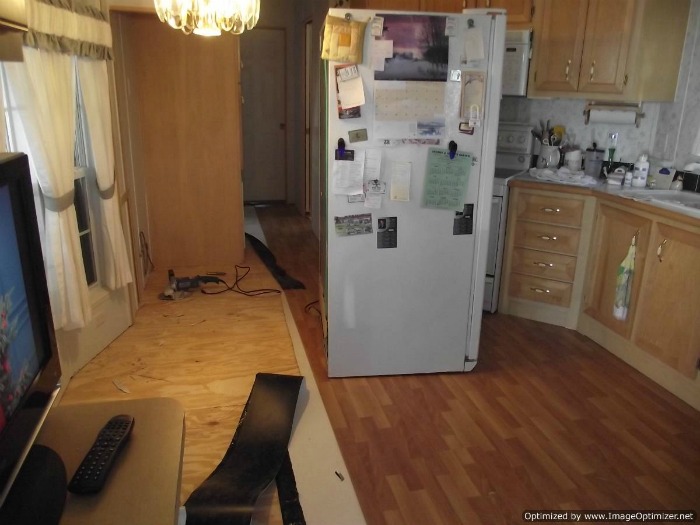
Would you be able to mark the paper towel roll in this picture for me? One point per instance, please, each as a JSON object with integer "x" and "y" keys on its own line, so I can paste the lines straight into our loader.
{"x": 608, "y": 116}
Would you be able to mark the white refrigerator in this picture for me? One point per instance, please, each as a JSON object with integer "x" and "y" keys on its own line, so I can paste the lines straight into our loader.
{"x": 406, "y": 222}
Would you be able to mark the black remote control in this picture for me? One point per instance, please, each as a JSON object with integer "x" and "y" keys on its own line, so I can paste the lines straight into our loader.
{"x": 93, "y": 470}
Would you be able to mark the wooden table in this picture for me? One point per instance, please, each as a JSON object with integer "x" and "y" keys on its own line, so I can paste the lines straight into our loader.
{"x": 143, "y": 486}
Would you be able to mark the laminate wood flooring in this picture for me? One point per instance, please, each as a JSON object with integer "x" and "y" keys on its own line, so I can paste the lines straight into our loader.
{"x": 547, "y": 420}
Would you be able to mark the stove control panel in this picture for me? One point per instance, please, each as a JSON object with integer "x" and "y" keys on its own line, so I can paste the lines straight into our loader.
{"x": 514, "y": 138}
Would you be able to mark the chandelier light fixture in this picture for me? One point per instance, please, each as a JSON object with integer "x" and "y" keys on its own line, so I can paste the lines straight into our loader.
{"x": 209, "y": 17}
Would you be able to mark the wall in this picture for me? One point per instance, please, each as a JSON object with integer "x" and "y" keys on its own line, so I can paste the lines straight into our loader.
{"x": 568, "y": 112}
{"x": 667, "y": 131}
{"x": 315, "y": 10}
{"x": 679, "y": 122}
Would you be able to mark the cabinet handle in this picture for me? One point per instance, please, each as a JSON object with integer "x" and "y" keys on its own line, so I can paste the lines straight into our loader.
{"x": 592, "y": 70}
{"x": 566, "y": 71}
{"x": 624, "y": 82}
{"x": 548, "y": 238}
{"x": 543, "y": 264}
{"x": 550, "y": 210}
{"x": 660, "y": 249}
{"x": 539, "y": 290}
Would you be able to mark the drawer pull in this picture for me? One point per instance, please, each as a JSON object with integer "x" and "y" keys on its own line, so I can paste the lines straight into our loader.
{"x": 543, "y": 264}
{"x": 539, "y": 290}
{"x": 550, "y": 210}
{"x": 548, "y": 238}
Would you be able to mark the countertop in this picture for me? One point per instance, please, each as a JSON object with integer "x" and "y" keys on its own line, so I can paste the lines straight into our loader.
{"x": 609, "y": 192}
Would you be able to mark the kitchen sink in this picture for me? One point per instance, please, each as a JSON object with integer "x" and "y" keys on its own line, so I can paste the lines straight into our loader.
{"x": 687, "y": 202}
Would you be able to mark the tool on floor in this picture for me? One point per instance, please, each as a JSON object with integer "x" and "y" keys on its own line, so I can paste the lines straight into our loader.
{"x": 180, "y": 287}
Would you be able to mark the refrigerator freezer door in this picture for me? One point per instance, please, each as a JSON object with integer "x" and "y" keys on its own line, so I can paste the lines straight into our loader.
{"x": 415, "y": 307}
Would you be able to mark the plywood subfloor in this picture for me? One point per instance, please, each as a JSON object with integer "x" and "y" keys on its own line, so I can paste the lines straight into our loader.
{"x": 203, "y": 351}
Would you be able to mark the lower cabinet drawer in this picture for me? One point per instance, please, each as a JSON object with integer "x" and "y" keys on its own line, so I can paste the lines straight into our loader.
{"x": 548, "y": 237}
{"x": 551, "y": 209}
{"x": 544, "y": 264}
{"x": 542, "y": 290}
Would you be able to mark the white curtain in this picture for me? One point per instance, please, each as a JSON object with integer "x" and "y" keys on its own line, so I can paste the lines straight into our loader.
{"x": 94, "y": 85}
{"x": 45, "y": 91}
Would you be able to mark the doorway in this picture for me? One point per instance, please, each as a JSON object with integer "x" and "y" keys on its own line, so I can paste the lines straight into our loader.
{"x": 308, "y": 59}
{"x": 264, "y": 90}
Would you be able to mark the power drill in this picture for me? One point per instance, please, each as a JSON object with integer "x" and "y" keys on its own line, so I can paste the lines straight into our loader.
{"x": 185, "y": 284}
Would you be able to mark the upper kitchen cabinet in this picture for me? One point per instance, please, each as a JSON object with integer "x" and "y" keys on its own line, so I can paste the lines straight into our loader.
{"x": 399, "y": 5}
{"x": 443, "y": 6}
{"x": 519, "y": 11}
{"x": 617, "y": 50}
{"x": 408, "y": 5}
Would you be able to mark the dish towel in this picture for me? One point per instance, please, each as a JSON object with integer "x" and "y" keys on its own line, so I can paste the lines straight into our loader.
{"x": 564, "y": 176}
{"x": 623, "y": 286}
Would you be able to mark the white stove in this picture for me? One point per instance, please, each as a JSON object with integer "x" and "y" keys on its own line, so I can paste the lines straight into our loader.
{"x": 513, "y": 157}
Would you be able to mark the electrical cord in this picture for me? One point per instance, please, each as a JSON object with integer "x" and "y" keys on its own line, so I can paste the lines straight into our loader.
{"x": 236, "y": 287}
{"x": 145, "y": 251}
{"x": 311, "y": 306}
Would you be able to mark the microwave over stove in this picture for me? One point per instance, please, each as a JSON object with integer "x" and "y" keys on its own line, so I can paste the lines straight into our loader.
{"x": 516, "y": 62}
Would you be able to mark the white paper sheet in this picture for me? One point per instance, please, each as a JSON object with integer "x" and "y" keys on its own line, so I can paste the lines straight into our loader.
{"x": 350, "y": 87}
{"x": 400, "y": 181}
{"x": 348, "y": 175}
{"x": 409, "y": 109}
{"x": 473, "y": 44}
{"x": 381, "y": 50}
{"x": 373, "y": 200}
{"x": 373, "y": 164}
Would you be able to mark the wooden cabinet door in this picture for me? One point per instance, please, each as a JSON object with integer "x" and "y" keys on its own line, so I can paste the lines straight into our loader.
{"x": 399, "y": 5}
{"x": 559, "y": 29}
{"x": 613, "y": 234}
{"x": 606, "y": 45}
{"x": 443, "y": 6}
{"x": 666, "y": 323}
{"x": 519, "y": 11}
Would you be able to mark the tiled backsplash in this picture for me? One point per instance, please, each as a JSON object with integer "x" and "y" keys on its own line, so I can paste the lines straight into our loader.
{"x": 632, "y": 141}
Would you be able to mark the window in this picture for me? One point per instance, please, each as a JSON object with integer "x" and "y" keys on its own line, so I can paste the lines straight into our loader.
{"x": 85, "y": 182}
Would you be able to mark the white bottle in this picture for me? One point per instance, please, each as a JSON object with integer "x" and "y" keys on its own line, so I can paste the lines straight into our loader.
{"x": 641, "y": 171}
{"x": 628, "y": 179}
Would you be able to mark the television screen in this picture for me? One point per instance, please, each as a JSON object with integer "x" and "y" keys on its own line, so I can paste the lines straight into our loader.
{"x": 30, "y": 369}
{"x": 20, "y": 356}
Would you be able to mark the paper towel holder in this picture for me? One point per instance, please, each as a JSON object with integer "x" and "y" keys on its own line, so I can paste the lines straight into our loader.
{"x": 613, "y": 106}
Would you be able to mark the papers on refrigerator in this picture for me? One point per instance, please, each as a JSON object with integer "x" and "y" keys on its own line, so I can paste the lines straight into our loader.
{"x": 473, "y": 93}
{"x": 404, "y": 110}
{"x": 381, "y": 50}
{"x": 353, "y": 225}
{"x": 446, "y": 179}
{"x": 351, "y": 91}
{"x": 348, "y": 174}
{"x": 400, "y": 176}
{"x": 473, "y": 44}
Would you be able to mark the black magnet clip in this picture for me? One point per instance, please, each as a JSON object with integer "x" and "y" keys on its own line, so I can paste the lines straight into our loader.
{"x": 341, "y": 148}
{"x": 470, "y": 23}
{"x": 452, "y": 146}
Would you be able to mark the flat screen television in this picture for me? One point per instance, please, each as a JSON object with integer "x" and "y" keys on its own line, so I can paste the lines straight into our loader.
{"x": 30, "y": 370}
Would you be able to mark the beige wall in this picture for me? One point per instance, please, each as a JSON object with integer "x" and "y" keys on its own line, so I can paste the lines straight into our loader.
{"x": 180, "y": 128}
{"x": 291, "y": 15}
